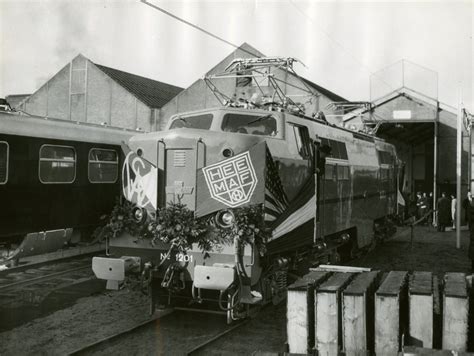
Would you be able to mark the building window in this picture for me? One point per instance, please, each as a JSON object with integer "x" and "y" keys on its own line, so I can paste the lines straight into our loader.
{"x": 57, "y": 164}
{"x": 103, "y": 166}
{"x": 4, "y": 152}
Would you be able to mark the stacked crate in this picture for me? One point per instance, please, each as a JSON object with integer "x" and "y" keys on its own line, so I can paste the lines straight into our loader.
{"x": 370, "y": 312}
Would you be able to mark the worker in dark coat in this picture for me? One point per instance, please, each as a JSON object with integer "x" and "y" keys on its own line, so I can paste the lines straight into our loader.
{"x": 470, "y": 220}
{"x": 443, "y": 205}
{"x": 465, "y": 205}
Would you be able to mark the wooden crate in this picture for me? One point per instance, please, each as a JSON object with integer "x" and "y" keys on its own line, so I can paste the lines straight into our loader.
{"x": 420, "y": 301}
{"x": 328, "y": 318}
{"x": 390, "y": 313}
{"x": 455, "y": 312}
{"x": 300, "y": 312}
{"x": 358, "y": 314}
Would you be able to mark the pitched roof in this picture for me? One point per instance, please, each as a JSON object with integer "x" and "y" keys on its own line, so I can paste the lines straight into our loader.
{"x": 324, "y": 91}
{"x": 16, "y": 99}
{"x": 153, "y": 93}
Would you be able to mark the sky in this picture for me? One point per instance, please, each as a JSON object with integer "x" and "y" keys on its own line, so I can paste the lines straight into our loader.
{"x": 344, "y": 45}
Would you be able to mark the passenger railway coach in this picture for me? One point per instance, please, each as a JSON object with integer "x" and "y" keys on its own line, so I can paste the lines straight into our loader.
{"x": 56, "y": 175}
{"x": 284, "y": 189}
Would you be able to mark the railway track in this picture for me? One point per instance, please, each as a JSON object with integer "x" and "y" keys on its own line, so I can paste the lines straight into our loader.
{"x": 173, "y": 331}
{"x": 34, "y": 284}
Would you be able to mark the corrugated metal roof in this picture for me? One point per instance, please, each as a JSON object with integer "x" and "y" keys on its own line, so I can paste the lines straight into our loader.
{"x": 153, "y": 93}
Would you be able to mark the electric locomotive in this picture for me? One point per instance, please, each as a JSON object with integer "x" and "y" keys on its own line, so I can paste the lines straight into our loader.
{"x": 318, "y": 190}
{"x": 56, "y": 180}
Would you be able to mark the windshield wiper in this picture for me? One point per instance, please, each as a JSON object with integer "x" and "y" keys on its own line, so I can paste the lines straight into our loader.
{"x": 260, "y": 119}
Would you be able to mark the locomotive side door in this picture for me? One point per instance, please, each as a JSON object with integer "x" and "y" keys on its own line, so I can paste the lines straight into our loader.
{"x": 321, "y": 151}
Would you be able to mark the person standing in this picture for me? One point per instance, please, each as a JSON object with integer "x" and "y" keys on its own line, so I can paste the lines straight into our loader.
{"x": 443, "y": 205}
{"x": 430, "y": 208}
{"x": 423, "y": 206}
{"x": 470, "y": 220}
{"x": 465, "y": 205}
{"x": 453, "y": 210}
{"x": 419, "y": 203}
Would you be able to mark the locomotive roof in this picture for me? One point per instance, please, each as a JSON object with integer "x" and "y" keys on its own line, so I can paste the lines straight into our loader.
{"x": 35, "y": 126}
{"x": 357, "y": 134}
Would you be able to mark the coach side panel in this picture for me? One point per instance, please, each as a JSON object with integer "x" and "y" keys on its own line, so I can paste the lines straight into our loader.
{"x": 34, "y": 198}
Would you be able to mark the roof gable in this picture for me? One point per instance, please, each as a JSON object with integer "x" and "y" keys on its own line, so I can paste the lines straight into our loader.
{"x": 153, "y": 93}
{"x": 406, "y": 96}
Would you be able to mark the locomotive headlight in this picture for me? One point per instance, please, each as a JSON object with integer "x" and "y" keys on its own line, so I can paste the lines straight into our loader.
{"x": 139, "y": 214}
{"x": 225, "y": 218}
{"x": 227, "y": 152}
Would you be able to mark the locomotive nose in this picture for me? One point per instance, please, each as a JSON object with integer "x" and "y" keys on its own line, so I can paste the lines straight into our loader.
{"x": 206, "y": 171}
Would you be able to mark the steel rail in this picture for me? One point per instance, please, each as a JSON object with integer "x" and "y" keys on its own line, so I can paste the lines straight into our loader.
{"x": 218, "y": 336}
{"x": 88, "y": 348}
{"x": 42, "y": 278}
{"x": 32, "y": 265}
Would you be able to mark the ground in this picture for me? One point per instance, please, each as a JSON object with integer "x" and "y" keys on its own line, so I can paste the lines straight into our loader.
{"x": 430, "y": 251}
{"x": 97, "y": 316}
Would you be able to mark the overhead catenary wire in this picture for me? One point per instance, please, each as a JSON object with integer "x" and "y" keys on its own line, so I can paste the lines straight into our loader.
{"x": 198, "y": 28}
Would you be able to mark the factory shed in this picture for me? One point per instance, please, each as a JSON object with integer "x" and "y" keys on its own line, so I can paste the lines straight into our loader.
{"x": 424, "y": 132}
{"x": 85, "y": 91}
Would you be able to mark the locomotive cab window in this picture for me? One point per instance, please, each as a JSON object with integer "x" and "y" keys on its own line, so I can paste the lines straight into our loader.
{"x": 303, "y": 143}
{"x": 4, "y": 152}
{"x": 57, "y": 164}
{"x": 385, "y": 157}
{"x": 202, "y": 122}
{"x": 338, "y": 148}
{"x": 265, "y": 125}
{"x": 103, "y": 166}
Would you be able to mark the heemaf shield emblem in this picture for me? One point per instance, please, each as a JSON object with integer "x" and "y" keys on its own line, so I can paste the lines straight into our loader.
{"x": 139, "y": 179}
{"x": 232, "y": 181}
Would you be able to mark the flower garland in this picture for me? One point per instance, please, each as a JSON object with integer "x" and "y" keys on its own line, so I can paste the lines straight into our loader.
{"x": 175, "y": 224}
{"x": 120, "y": 220}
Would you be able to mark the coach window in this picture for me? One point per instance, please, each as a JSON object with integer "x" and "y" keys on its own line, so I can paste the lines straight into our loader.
{"x": 103, "y": 166}
{"x": 4, "y": 152}
{"x": 57, "y": 164}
